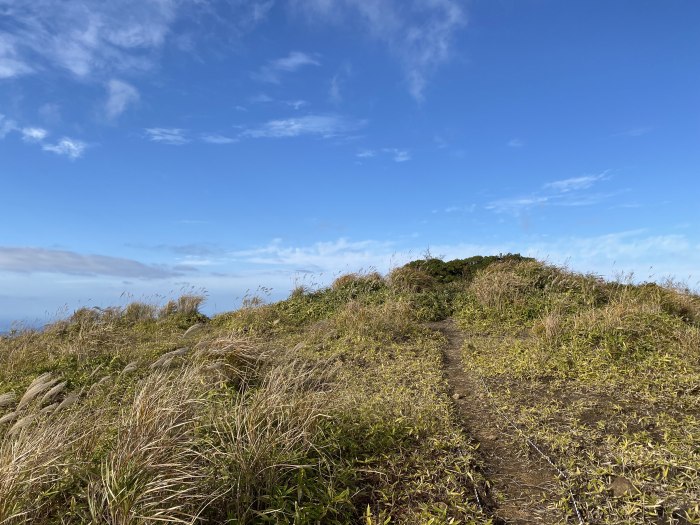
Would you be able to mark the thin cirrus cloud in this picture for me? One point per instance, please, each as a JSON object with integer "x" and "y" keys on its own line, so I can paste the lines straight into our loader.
{"x": 420, "y": 47}
{"x": 321, "y": 256}
{"x": 170, "y": 136}
{"x": 85, "y": 37}
{"x": 324, "y": 126}
{"x": 634, "y": 132}
{"x": 45, "y": 260}
{"x": 71, "y": 148}
{"x": 272, "y": 71}
{"x": 564, "y": 192}
{"x": 7, "y": 126}
{"x": 214, "y": 138}
{"x": 396, "y": 154}
{"x": 120, "y": 95}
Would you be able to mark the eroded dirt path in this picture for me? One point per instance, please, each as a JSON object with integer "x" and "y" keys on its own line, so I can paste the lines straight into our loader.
{"x": 523, "y": 487}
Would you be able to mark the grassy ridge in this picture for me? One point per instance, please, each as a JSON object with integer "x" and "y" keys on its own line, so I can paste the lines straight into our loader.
{"x": 604, "y": 376}
{"x": 329, "y": 407}
{"x": 332, "y": 407}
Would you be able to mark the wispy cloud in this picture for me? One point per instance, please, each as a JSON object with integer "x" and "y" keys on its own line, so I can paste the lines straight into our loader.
{"x": 296, "y": 104}
{"x": 84, "y": 37}
{"x": 7, "y": 126}
{"x": 397, "y": 154}
{"x": 515, "y": 143}
{"x": 272, "y": 71}
{"x": 458, "y": 209}
{"x": 68, "y": 147}
{"x": 575, "y": 183}
{"x": 565, "y": 192}
{"x": 170, "y": 136}
{"x": 34, "y": 134}
{"x": 634, "y": 132}
{"x": 10, "y": 64}
{"x": 120, "y": 95}
{"x": 218, "y": 139}
{"x": 321, "y": 256}
{"x": 325, "y": 126}
{"x": 35, "y": 260}
{"x": 421, "y": 47}
{"x": 366, "y": 154}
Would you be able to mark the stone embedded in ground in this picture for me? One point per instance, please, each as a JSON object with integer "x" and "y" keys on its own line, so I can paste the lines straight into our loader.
{"x": 622, "y": 487}
{"x": 456, "y": 396}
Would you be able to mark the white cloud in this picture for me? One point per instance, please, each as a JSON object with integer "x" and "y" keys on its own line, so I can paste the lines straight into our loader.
{"x": 296, "y": 104}
{"x": 34, "y": 134}
{"x": 272, "y": 71}
{"x": 71, "y": 148}
{"x": 98, "y": 39}
{"x": 120, "y": 96}
{"x": 10, "y": 65}
{"x": 419, "y": 34}
{"x": 575, "y": 183}
{"x": 325, "y": 126}
{"x": 6, "y": 126}
{"x": 608, "y": 254}
{"x": 261, "y": 98}
{"x": 294, "y": 61}
{"x": 565, "y": 192}
{"x": 218, "y": 139}
{"x": 332, "y": 256}
{"x": 401, "y": 155}
{"x": 171, "y": 136}
{"x": 366, "y": 154}
{"x": 517, "y": 204}
{"x": 31, "y": 260}
{"x": 515, "y": 143}
{"x": 88, "y": 36}
{"x": 334, "y": 90}
{"x": 398, "y": 155}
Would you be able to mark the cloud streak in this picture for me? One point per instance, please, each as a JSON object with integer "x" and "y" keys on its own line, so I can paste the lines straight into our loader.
{"x": 324, "y": 126}
{"x": 564, "y": 192}
{"x": 170, "y": 136}
{"x": 120, "y": 95}
{"x": 66, "y": 146}
{"x": 421, "y": 47}
{"x": 71, "y": 148}
{"x": 44, "y": 260}
{"x": 273, "y": 70}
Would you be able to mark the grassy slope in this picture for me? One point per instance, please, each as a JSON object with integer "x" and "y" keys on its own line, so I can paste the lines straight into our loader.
{"x": 331, "y": 406}
{"x": 603, "y": 376}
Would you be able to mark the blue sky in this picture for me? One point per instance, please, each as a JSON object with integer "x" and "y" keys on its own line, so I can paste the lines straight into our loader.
{"x": 149, "y": 147}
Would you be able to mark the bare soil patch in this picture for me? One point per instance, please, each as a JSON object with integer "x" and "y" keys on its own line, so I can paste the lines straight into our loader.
{"x": 523, "y": 487}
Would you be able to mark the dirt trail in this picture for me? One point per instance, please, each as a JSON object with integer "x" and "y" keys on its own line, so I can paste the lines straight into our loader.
{"x": 523, "y": 486}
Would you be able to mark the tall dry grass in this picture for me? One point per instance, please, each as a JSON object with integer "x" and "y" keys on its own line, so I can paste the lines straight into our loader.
{"x": 207, "y": 438}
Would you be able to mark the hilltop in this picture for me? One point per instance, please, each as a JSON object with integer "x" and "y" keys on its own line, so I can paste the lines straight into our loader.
{"x": 486, "y": 390}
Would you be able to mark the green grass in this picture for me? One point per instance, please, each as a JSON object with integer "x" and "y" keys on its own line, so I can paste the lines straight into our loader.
{"x": 603, "y": 376}
{"x": 332, "y": 406}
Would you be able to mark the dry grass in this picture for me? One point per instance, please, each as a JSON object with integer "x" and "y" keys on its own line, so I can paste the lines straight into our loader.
{"x": 603, "y": 376}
